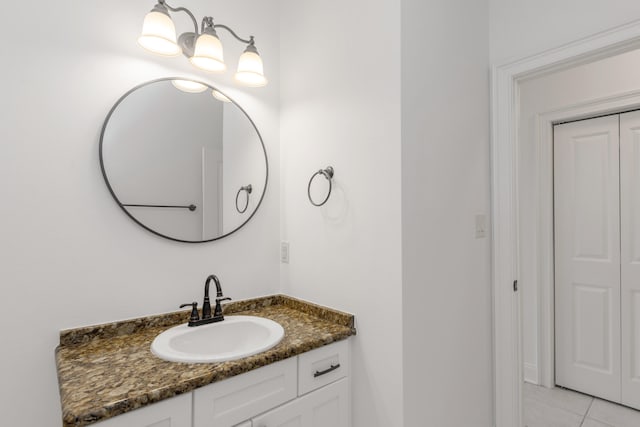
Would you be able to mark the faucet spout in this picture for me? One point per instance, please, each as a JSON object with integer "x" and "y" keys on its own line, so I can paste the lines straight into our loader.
{"x": 206, "y": 305}
{"x": 216, "y": 282}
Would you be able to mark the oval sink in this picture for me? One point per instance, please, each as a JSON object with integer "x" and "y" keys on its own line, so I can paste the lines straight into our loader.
{"x": 233, "y": 338}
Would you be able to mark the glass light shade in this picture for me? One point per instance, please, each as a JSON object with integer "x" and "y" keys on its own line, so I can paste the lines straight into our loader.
{"x": 250, "y": 70}
{"x": 189, "y": 86}
{"x": 208, "y": 53}
{"x": 217, "y": 95}
{"x": 159, "y": 34}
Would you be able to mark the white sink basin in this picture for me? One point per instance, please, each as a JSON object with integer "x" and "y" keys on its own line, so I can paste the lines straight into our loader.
{"x": 233, "y": 338}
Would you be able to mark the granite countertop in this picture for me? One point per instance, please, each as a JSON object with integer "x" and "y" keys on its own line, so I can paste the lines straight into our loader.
{"x": 107, "y": 370}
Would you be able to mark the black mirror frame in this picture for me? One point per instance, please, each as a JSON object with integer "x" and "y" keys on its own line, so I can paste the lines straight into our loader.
{"x": 113, "y": 194}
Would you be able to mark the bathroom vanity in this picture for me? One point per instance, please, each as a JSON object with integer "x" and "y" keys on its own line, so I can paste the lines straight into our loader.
{"x": 202, "y": 143}
{"x": 109, "y": 377}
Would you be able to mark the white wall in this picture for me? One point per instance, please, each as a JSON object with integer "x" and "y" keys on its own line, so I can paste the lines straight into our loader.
{"x": 340, "y": 106}
{"x": 68, "y": 255}
{"x": 544, "y": 94}
{"x": 445, "y": 183}
{"x": 427, "y": 297}
{"x": 521, "y": 28}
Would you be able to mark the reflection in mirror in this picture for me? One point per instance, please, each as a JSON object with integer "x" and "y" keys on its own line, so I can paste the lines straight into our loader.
{"x": 174, "y": 155}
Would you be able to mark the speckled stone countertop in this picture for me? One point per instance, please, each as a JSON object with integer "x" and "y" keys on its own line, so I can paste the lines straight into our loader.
{"x": 107, "y": 370}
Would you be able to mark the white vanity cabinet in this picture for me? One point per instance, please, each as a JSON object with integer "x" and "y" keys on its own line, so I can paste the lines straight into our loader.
{"x": 173, "y": 412}
{"x": 309, "y": 390}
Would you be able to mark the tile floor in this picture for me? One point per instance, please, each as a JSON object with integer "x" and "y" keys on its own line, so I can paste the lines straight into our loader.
{"x": 560, "y": 407}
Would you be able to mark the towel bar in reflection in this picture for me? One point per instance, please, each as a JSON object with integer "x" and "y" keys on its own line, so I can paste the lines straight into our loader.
{"x": 190, "y": 207}
{"x": 248, "y": 189}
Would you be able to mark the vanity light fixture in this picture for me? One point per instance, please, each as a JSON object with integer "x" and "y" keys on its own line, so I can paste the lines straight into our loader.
{"x": 203, "y": 48}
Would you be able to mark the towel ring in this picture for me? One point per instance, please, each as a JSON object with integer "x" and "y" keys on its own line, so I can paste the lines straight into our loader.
{"x": 248, "y": 189}
{"x": 328, "y": 174}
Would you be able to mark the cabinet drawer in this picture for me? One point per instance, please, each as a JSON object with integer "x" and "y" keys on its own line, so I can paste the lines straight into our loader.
{"x": 234, "y": 400}
{"x": 174, "y": 412}
{"x": 322, "y": 366}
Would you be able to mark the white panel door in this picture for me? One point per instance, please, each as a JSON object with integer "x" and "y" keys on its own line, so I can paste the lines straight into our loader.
{"x": 325, "y": 407}
{"x": 587, "y": 256}
{"x": 630, "y": 256}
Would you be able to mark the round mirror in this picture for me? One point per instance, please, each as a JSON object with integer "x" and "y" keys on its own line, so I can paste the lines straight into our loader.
{"x": 183, "y": 160}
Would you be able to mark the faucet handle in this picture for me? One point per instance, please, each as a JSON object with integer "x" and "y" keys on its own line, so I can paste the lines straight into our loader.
{"x": 217, "y": 312}
{"x": 194, "y": 311}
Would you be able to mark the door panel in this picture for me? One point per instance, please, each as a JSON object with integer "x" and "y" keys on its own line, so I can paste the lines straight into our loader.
{"x": 587, "y": 256}
{"x": 592, "y": 341}
{"x": 630, "y": 255}
{"x": 591, "y": 187}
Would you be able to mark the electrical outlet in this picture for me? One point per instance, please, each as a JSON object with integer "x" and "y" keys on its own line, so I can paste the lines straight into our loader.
{"x": 481, "y": 226}
{"x": 284, "y": 252}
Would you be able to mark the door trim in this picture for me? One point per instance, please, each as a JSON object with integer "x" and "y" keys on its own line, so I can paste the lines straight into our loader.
{"x": 505, "y": 82}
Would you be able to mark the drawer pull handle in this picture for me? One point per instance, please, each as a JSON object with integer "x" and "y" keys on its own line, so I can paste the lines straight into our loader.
{"x": 326, "y": 371}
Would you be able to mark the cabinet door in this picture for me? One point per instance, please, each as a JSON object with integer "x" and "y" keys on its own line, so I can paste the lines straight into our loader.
{"x": 326, "y": 407}
{"x": 174, "y": 412}
{"x": 236, "y": 399}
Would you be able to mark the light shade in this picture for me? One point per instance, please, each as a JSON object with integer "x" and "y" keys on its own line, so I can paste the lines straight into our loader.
{"x": 159, "y": 33}
{"x": 189, "y": 86}
{"x": 250, "y": 69}
{"x": 207, "y": 54}
{"x": 219, "y": 96}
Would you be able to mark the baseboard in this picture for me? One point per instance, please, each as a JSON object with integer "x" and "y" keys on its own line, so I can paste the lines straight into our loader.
{"x": 531, "y": 373}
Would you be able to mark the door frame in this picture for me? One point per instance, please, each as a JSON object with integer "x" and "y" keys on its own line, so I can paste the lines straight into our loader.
{"x": 505, "y": 81}
{"x": 614, "y": 104}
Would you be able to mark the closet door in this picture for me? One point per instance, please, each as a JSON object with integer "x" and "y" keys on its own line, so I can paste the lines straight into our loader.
{"x": 587, "y": 256}
{"x": 630, "y": 255}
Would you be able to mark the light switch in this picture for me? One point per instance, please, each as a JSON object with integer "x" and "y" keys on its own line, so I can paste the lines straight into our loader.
{"x": 284, "y": 252}
{"x": 481, "y": 226}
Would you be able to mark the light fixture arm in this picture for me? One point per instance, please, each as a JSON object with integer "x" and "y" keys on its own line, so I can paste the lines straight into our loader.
{"x": 182, "y": 9}
{"x": 207, "y": 21}
{"x": 250, "y": 41}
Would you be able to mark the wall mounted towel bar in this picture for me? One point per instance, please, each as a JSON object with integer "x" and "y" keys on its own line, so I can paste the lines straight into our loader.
{"x": 328, "y": 174}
